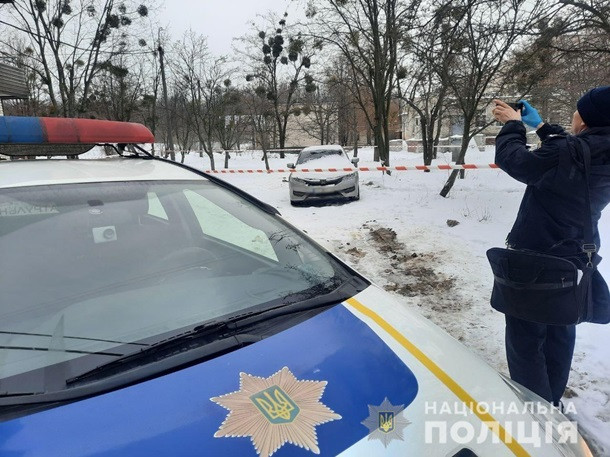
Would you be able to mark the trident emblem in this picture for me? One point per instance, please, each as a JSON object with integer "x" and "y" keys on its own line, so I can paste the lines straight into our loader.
{"x": 386, "y": 421}
{"x": 275, "y": 405}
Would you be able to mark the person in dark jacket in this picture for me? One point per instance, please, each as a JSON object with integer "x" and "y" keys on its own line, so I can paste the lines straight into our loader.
{"x": 551, "y": 220}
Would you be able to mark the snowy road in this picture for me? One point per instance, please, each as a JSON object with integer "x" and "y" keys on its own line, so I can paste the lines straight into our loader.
{"x": 398, "y": 236}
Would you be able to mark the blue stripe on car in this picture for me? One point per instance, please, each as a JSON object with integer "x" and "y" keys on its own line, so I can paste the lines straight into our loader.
{"x": 173, "y": 416}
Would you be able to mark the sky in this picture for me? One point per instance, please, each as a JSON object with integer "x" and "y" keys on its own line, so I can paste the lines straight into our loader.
{"x": 220, "y": 20}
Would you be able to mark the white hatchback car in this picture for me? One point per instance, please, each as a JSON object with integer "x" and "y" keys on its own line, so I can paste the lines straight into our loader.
{"x": 148, "y": 309}
{"x": 308, "y": 185}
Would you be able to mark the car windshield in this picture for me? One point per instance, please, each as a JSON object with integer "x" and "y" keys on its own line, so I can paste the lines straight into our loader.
{"x": 306, "y": 156}
{"x": 89, "y": 268}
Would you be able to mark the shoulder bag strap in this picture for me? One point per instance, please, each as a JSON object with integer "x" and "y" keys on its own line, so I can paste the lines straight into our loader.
{"x": 589, "y": 246}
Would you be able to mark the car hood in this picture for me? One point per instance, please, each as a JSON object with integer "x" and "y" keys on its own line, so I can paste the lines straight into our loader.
{"x": 314, "y": 388}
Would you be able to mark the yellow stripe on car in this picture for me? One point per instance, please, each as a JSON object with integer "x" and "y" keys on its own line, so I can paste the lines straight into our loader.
{"x": 442, "y": 376}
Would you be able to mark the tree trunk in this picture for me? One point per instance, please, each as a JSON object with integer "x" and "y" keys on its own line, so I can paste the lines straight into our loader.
{"x": 381, "y": 146}
{"x": 425, "y": 142}
{"x": 384, "y": 154}
{"x": 211, "y": 156}
{"x": 449, "y": 184}
{"x": 439, "y": 125}
{"x": 227, "y": 157}
{"x": 265, "y": 158}
{"x": 464, "y": 146}
{"x": 282, "y": 136}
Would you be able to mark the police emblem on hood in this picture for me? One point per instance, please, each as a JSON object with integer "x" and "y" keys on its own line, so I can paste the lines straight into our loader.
{"x": 275, "y": 410}
{"x": 386, "y": 422}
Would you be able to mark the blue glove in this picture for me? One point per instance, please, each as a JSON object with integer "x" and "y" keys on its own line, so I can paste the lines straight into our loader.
{"x": 529, "y": 115}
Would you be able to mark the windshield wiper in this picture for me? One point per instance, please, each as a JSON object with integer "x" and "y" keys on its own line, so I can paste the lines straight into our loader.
{"x": 205, "y": 335}
{"x": 118, "y": 373}
{"x": 201, "y": 343}
{"x": 292, "y": 305}
{"x": 195, "y": 344}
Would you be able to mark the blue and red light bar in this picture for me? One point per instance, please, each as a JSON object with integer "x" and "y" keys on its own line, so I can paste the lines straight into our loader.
{"x": 55, "y": 130}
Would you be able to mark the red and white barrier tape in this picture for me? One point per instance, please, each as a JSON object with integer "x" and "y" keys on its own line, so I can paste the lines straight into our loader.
{"x": 466, "y": 166}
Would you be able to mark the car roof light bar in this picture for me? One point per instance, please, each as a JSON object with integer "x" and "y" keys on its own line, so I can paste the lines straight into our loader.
{"x": 81, "y": 134}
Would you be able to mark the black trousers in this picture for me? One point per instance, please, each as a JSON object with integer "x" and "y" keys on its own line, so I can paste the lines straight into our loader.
{"x": 539, "y": 356}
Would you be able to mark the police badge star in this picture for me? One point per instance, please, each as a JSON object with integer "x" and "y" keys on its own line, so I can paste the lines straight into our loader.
{"x": 275, "y": 410}
{"x": 386, "y": 422}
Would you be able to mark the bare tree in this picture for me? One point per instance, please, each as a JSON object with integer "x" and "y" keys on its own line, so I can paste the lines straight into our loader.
{"x": 319, "y": 114}
{"x": 590, "y": 14}
{"x": 70, "y": 42}
{"x": 342, "y": 86}
{"x": 119, "y": 89}
{"x": 231, "y": 120}
{"x": 200, "y": 77}
{"x": 279, "y": 61}
{"x": 554, "y": 77}
{"x": 261, "y": 116}
{"x": 366, "y": 35}
{"x": 150, "y": 93}
{"x": 423, "y": 77}
{"x": 181, "y": 111}
{"x": 481, "y": 54}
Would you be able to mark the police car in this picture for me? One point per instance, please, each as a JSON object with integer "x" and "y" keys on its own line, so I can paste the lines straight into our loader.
{"x": 149, "y": 309}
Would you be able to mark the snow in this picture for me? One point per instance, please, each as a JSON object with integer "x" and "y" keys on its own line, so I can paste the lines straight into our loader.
{"x": 328, "y": 147}
{"x": 398, "y": 235}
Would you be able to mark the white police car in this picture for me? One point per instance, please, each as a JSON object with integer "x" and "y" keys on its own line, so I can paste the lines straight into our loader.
{"x": 147, "y": 309}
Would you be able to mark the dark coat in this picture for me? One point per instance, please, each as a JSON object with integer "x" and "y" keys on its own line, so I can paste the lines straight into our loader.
{"x": 552, "y": 212}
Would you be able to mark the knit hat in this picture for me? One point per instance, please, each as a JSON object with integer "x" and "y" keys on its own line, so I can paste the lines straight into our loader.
{"x": 594, "y": 107}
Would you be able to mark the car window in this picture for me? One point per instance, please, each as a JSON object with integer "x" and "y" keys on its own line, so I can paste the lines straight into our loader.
{"x": 88, "y": 268}
{"x": 306, "y": 156}
{"x": 155, "y": 208}
{"x": 220, "y": 224}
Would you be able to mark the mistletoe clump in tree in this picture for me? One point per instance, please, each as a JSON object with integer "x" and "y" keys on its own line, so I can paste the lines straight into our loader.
{"x": 70, "y": 43}
{"x": 280, "y": 67}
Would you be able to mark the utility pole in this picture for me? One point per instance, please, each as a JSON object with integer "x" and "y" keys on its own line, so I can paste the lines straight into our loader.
{"x": 168, "y": 122}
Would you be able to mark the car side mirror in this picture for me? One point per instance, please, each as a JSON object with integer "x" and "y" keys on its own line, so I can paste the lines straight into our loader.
{"x": 290, "y": 165}
{"x": 355, "y": 160}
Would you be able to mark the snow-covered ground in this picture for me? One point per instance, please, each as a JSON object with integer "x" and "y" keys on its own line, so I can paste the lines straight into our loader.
{"x": 399, "y": 236}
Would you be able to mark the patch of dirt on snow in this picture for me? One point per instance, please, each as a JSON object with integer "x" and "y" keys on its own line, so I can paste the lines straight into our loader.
{"x": 413, "y": 275}
{"x": 357, "y": 253}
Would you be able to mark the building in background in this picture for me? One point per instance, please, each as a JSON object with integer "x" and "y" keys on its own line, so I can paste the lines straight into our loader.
{"x": 12, "y": 84}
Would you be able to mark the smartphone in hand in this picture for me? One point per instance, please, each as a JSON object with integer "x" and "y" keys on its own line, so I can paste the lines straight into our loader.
{"x": 518, "y": 106}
